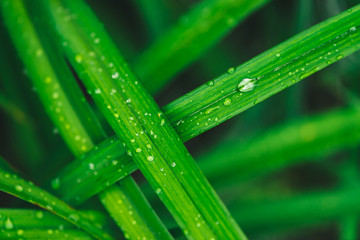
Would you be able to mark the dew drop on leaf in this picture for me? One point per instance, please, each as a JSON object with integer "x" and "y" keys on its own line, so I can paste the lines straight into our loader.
{"x": 9, "y": 224}
{"x": 231, "y": 70}
{"x": 227, "y": 101}
{"x": 19, "y": 188}
{"x": 247, "y": 85}
{"x": 55, "y": 183}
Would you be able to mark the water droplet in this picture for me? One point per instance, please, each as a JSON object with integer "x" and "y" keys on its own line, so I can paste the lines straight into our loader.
{"x": 98, "y": 91}
{"x": 138, "y": 150}
{"x": 19, "y": 188}
{"x": 150, "y": 158}
{"x": 74, "y": 217}
{"x": 55, "y": 95}
{"x": 210, "y": 83}
{"x": 39, "y": 214}
{"x": 227, "y": 102}
{"x": 128, "y": 100}
{"x": 115, "y": 75}
{"x": 173, "y": 164}
{"x": 55, "y": 183}
{"x": 113, "y": 91}
{"x": 231, "y": 70}
{"x": 158, "y": 191}
{"x": 352, "y": 29}
{"x": 247, "y": 85}
{"x": 78, "y": 58}
{"x": 277, "y": 55}
{"x": 91, "y": 166}
{"x": 339, "y": 57}
{"x": 210, "y": 110}
{"x": 20, "y": 232}
{"x": 96, "y": 40}
{"x": 9, "y": 224}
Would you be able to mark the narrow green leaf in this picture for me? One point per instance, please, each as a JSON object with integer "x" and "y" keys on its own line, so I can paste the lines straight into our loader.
{"x": 196, "y": 31}
{"x": 42, "y": 234}
{"x": 219, "y": 100}
{"x": 40, "y": 219}
{"x": 12, "y": 184}
{"x": 62, "y": 98}
{"x": 134, "y": 115}
{"x": 130, "y": 204}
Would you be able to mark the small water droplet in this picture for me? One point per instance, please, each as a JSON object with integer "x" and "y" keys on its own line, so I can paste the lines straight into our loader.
{"x": 91, "y": 166}
{"x": 352, "y": 29}
{"x": 277, "y": 55}
{"x": 247, "y": 85}
{"x": 158, "y": 191}
{"x": 210, "y": 110}
{"x": 55, "y": 183}
{"x": 210, "y": 83}
{"x": 339, "y": 57}
{"x": 162, "y": 122}
{"x": 113, "y": 91}
{"x": 115, "y": 75}
{"x": 227, "y": 102}
{"x": 19, "y": 188}
{"x": 138, "y": 150}
{"x": 78, "y": 58}
{"x": 150, "y": 158}
{"x": 20, "y": 232}
{"x": 173, "y": 164}
{"x": 75, "y": 217}
{"x": 231, "y": 70}
{"x": 98, "y": 91}
{"x": 39, "y": 214}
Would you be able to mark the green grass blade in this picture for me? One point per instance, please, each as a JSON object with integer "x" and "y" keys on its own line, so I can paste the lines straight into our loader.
{"x": 219, "y": 100}
{"x": 29, "y": 218}
{"x": 270, "y": 72}
{"x": 129, "y": 203}
{"x": 12, "y": 184}
{"x": 62, "y": 99}
{"x": 38, "y": 224}
{"x": 42, "y": 234}
{"x": 196, "y": 31}
{"x": 133, "y": 114}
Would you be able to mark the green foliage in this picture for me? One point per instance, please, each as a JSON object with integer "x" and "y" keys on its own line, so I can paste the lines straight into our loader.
{"x": 109, "y": 122}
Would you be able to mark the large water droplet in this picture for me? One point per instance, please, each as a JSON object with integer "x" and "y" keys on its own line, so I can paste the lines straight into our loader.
{"x": 9, "y": 224}
{"x": 247, "y": 85}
